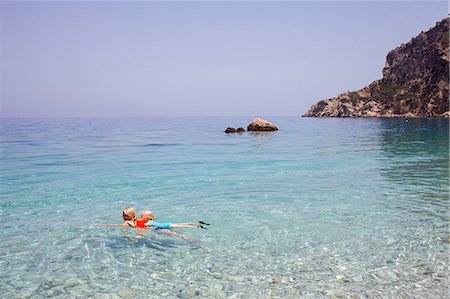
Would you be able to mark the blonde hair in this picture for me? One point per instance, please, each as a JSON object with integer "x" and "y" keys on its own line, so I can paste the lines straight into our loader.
{"x": 147, "y": 214}
{"x": 130, "y": 213}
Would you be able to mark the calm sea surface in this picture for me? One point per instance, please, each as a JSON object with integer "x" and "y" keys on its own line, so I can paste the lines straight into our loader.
{"x": 321, "y": 208}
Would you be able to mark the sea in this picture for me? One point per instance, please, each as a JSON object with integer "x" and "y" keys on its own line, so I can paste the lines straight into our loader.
{"x": 321, "y": 208}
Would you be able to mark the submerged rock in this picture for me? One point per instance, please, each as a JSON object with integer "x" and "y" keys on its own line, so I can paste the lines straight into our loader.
{"x": 259, "y": 124}
{"x": 188, "y": 292}
{"x": 126, "y": 293}
{"x": 71, "y": 282}
{"x": 275, "y": 279}
{"x": 235, "y": 278}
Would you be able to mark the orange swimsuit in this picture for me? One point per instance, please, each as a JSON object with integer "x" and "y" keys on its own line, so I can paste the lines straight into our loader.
{"x": 140, "y": 222}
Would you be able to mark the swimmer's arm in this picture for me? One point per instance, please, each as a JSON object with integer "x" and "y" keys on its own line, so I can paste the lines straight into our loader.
{"x": 129, "y": 223}
{"x": 115, "y": 224}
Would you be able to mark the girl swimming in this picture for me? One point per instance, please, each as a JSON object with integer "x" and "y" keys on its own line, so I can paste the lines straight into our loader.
{"x": 147, "y": 215}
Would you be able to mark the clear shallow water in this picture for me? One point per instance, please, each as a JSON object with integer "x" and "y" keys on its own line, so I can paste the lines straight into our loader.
{"x": 321, "y": 208}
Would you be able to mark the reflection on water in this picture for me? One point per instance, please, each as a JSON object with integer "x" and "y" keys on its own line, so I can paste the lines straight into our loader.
{"x": 260, "y": 140}
{"x": 416, "y": 162}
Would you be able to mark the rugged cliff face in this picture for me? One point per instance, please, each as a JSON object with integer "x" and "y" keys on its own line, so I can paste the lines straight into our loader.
{"x": 415, "y": 83}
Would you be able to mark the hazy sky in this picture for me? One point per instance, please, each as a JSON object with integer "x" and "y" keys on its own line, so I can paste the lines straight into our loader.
{"x": 63, "y": 59}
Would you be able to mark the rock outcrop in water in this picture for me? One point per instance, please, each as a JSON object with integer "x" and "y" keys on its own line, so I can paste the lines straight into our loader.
{"x": 233, "y": 130}
{"x": 230, "y": 130}
{"x": 259, "y": 124}
{"x": 415, "y": 83}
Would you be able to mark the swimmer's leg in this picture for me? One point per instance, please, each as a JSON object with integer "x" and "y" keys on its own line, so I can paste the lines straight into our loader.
{"x": 187, "y": 225}
{"x": 130, "y": 239}
{"x": 140, "y": 232}
{"x": 172, "y": 233}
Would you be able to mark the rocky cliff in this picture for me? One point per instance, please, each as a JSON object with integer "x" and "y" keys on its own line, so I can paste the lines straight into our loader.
{"x": 415, "y": 83}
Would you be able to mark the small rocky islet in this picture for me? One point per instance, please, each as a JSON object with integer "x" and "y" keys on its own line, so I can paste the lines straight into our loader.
{"x": 256, "y": 125}
{"x": 233, "y": 130}
{"x": 415, "y": 83}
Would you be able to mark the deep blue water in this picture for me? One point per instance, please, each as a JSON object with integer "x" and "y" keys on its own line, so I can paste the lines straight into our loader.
{"x": 322, "y": 207}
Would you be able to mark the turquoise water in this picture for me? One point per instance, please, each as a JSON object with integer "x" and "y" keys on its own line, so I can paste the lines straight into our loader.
{"x": 321, "y": 208}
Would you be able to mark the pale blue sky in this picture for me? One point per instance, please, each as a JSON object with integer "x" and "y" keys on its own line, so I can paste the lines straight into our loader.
{"x": 71, "y": 59}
